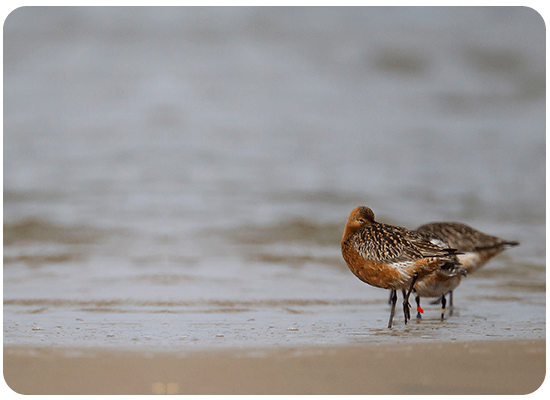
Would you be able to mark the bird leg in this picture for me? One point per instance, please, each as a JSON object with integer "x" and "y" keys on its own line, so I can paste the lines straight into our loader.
{"x": 451, "y": 303}
{"x": 406, "y": 304}
{"x": 443, "y": 303}
{"x": 393, "y": 300}
{"x": 419, "y": 309}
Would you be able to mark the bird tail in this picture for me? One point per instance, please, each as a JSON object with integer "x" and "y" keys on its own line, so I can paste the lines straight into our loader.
{"x": 504, "y": 245}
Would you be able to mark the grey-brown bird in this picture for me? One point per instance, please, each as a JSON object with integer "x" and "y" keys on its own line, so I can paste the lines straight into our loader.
{"x": 474, "y": 249}
{"x": 392, "y": 257}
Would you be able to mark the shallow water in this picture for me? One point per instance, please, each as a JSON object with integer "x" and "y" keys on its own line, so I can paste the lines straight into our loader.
{"x": 181, "y": 178}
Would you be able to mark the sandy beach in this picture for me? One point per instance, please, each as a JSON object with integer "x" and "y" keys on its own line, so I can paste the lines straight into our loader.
{"x": 482, "y": 367}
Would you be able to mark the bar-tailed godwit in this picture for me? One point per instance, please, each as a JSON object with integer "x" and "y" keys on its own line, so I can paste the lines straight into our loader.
{"x": 474, "y": 249}
{"x": 391, "y": 257}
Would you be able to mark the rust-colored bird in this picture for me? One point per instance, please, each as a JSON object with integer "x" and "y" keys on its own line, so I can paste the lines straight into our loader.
{"x": 392, "y": 257}
{"x": 474, "y": 249}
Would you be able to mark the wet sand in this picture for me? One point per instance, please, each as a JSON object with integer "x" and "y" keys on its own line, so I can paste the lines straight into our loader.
{"x": 482, "y": 367}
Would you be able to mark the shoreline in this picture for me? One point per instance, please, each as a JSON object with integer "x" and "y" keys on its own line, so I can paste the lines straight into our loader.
{"x": 476, "y": 367}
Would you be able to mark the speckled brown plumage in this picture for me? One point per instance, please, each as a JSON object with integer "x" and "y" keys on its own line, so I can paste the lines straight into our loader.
{"x": 390, "y": 257}
{"x": 474, "y": 248}
{"x": 477, "y": 248}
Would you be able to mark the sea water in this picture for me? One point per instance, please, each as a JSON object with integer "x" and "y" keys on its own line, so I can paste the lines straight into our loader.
{"x": 181, "y": 177}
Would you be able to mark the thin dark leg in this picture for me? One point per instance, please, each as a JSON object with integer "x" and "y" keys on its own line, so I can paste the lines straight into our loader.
{"x": 451, "y": 303}
{"x": 443, "y": 303}
{"x": 393, "y": 300}
{"x": 406, "y": 307}
{"x": 406, "y": 304}
{"x": 418, "y": 308}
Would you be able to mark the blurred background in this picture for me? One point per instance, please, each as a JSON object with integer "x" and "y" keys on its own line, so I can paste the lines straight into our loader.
{"x": 186, "y": 173}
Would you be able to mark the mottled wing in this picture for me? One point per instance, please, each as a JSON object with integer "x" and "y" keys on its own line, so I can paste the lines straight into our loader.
{"x": 384, "y": 243}
{"x": 461, "y": 236}
{"x": 427, "y": 248}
